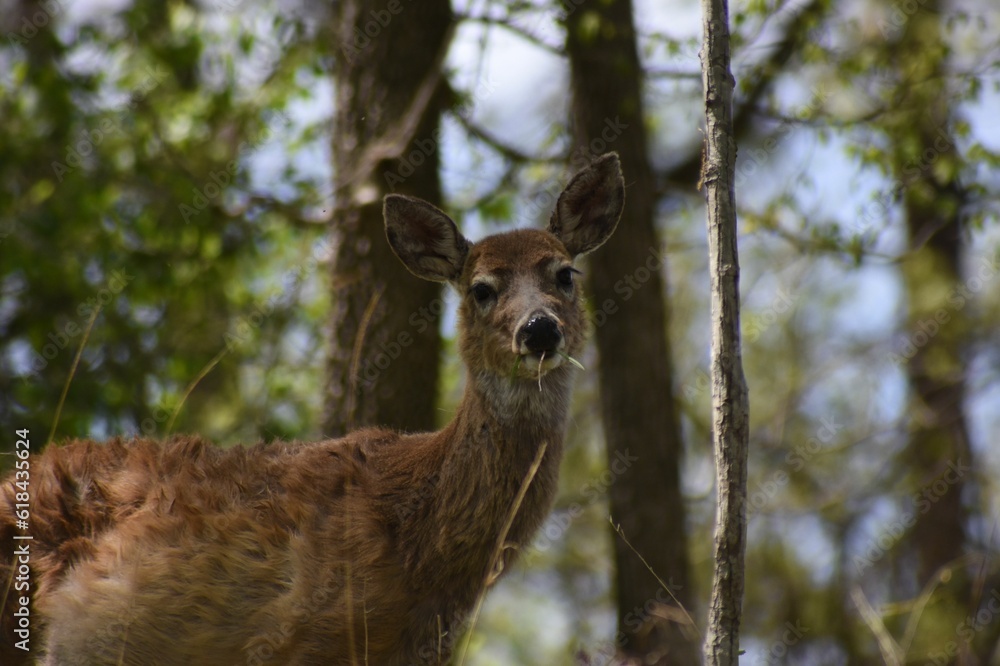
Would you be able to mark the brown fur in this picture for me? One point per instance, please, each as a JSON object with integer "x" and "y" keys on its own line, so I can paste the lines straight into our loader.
{"x": 369, "y": 549}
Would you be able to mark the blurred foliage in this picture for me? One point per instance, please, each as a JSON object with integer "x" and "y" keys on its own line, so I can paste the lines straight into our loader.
{"x": 167, "y": 161}
{"x": 126, "y": 145}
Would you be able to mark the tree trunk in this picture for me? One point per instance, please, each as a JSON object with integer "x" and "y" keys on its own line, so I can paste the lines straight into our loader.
{"x": 938, "y": 457}
{"x": 626, "y": 285}
{"x": 730, "y": 407}
{"x": 383, "y": 362}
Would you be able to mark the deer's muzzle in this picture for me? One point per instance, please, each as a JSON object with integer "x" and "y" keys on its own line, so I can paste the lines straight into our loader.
{"x": 539, "y": 335}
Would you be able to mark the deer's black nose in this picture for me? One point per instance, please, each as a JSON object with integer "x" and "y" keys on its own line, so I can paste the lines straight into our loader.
{"x": 540, "y": 335}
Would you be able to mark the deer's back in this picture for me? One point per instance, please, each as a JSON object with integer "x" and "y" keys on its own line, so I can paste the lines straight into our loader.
{"x": 182, "y": 552}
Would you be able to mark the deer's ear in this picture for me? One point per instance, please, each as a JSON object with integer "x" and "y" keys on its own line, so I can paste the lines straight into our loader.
{"x": 424, "y": 238}
{"x": 589, "y": 208}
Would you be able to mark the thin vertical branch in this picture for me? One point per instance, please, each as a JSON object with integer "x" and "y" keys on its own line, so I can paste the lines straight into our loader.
{"x": 730, "y": 407}
{"x": 495, "y": 558}
{"x": 72, "y": 373}
{"x": 190, "y": 387}
{"x": 892, "y": 653}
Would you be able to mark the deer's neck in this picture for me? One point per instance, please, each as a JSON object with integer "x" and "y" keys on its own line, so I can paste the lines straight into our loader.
{"x": 488, "y": 450}
{"x": 519, "y": 407}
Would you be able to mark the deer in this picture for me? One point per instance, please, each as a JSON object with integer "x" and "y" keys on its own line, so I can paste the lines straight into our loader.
{"x": 369, "y": 549}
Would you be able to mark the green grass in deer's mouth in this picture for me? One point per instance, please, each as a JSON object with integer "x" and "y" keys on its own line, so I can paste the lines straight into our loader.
{"x": 513, "y": 370}
{"x": 518, "y": 359}
{"x": 572, "y": 360}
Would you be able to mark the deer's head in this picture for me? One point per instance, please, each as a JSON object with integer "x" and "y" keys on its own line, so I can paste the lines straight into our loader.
{"x": 522, "y": 312}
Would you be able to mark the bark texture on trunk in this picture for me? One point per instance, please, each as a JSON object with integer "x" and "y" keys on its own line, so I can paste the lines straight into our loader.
{"x": 730, "y": 406}
{"x": 383, "y": 361}
{"x": 626, "y": 283}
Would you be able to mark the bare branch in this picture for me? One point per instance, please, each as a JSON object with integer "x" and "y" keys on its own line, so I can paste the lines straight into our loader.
{"x": 506, "y": 150}
{"x": 515, "y": 29}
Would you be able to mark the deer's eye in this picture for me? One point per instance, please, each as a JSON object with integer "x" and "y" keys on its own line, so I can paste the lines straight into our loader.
{"x": 482, "y": 292}
{"x": 564, "y": 276}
